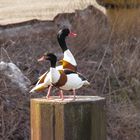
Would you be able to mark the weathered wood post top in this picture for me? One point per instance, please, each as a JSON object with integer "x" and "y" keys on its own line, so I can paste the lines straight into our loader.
{"x": 82, "y": 119}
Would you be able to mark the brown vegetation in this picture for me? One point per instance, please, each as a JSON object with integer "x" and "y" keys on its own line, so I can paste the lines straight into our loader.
{"x": 110, "y": 62}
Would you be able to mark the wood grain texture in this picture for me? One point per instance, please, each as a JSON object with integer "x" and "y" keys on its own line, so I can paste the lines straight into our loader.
{"x": 82, "y": 119}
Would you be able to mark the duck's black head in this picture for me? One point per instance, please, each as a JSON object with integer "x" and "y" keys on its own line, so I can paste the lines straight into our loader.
{"x": 63, "y": 33}
{"x": 51, "y": 57}
{"x": 61, "y": 36}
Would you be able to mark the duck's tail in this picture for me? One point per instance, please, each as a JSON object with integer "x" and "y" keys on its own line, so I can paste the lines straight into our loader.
{"x": 86, "y": 83}
{"x": 38, "y": 88}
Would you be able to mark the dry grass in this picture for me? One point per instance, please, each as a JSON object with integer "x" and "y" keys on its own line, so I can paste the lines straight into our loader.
{"x": 111, "y": 63}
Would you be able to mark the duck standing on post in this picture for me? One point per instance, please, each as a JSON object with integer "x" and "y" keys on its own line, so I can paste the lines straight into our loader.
{"x": 65, "y": 79}
{"x": 68, "y": 62}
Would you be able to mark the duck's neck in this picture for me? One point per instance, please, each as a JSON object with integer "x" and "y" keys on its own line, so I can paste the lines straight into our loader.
{"x": 54, "y": 73}
{"x": 53, "y": 63}
{"x": 62, "y": 43}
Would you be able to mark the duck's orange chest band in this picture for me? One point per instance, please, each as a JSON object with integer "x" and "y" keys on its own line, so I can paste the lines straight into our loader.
{"x": 62, "y": 80}
{"x": 67, "y": 65}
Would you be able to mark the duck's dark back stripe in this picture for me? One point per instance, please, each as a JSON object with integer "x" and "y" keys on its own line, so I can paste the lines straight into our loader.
{"x": 66, "y": 71}
{"x": 81, "y": 76}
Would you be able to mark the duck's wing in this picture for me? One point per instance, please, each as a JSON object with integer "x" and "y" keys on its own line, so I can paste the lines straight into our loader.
{"x": 66, "y": 65}
{"x": 39, "y": 87}
{"x": 82, "y": 76}
{"x": 68, "y": 56}
{"x": 41, "y": 78}
{"x": 67, "y": 72}
{"x": 68, "y": 62}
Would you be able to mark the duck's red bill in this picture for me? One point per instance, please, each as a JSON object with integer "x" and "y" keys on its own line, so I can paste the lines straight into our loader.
{"x": 41, "y": 59}
{"x": 72, "y": 34}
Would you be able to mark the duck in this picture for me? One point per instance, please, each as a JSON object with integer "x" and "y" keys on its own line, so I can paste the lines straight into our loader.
{"x": 65, "y": 79}
{"x": 68, "y": 62}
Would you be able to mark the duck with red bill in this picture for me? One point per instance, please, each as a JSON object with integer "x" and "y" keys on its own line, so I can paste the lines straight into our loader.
{"x": 68, "y": 62}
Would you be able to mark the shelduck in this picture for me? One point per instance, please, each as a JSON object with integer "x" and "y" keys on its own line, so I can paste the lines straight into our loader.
{"x": 68, "y": 61}
{"x": 64, "y": 79}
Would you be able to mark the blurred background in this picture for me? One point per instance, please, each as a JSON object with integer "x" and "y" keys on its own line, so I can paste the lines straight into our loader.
{"x": 21, "y": 10}
{"x": 107, "y": 50}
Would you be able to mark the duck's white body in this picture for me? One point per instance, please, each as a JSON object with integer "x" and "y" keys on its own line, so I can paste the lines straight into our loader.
{"x": 68, "y": 62}
{"x": 64, "y": 79}
{"x": 74, "y": 81}
{"x": 44, "y": 80}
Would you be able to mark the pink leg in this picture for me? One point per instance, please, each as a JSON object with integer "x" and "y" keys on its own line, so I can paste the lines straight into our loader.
{"x": 49, "y": 91}
{"x": 74, "y": 94}
{"x": 61, "y": 94}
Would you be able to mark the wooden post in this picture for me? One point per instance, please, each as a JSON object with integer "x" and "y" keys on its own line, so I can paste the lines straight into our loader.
{"x": 82, "y": 119}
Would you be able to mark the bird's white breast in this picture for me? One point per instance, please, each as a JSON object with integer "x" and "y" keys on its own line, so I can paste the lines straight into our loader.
{"x": 54, "y": 75}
